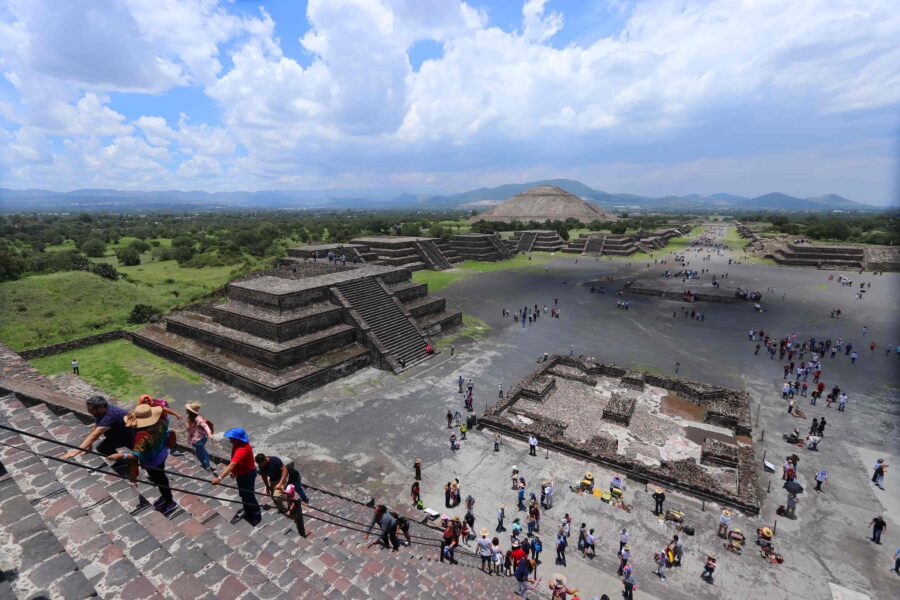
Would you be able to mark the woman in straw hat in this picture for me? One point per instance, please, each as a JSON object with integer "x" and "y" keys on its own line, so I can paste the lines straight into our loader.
{"x": 199, "y": 431}
{"x": 558, "y": 587}
{"x": 724, "y": 523}
{"x": 150, "y": 451}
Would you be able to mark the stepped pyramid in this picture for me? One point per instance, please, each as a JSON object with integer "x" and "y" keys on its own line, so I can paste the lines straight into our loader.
{"x": 542, "y": 203}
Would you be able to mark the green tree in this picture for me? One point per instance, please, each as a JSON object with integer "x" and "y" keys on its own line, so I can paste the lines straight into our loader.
{"x": 128, "y": 256}
{"x": 94, "y": 247}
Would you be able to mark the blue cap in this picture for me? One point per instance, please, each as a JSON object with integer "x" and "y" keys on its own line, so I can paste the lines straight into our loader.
{"x": 237, "y": 433}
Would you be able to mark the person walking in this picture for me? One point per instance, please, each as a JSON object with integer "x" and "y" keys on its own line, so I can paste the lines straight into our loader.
{"x": 523, "y": 576}
{"x": 677, "y": 368}
{"x": 501, "y": 515}
{"x": 878, "y": 526}
{"x": 532, "y": 445}
{"x": 623, "y": 539}
{"x": 709, "y": 567}
{"x": 500, "y": 390}
{"x": 109, "y": 423}
{"x": 417, "y": 467}
{"x": 662, "y": 561}
{"x": 878, "y": 473}
{"x": 628, "y": 584}
{"x": 677, "y": 547}
{"x": 150, "y": 451}
{"x": 460, "y": 381}
{"x": 450, "y": 540}
{"x": 450, "y": 419}
{"x": 724, "y": 523}
{"x": 821, "y": 479}
{"x": 199, "y": 430}
{"x": 75, "y": 370}
{"x": 242, "y": 468}
{"x": 561, "y": 543}
{"x": 821, "y": 429}
{"x": 624, "y": 555}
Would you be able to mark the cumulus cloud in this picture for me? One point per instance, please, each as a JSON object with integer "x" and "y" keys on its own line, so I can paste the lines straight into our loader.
{"x": 666, "y": 83}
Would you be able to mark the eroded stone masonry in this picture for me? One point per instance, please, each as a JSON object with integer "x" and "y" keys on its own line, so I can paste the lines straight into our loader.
{"x": 685, "y": 435}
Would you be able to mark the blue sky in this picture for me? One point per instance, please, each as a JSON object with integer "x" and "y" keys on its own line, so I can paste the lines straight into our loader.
{"x": 434, "y": 96}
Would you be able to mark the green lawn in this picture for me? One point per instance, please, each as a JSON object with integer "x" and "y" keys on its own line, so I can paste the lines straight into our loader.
{"x": 120, "y": 369}
{"x": 438, "y": 280}
{"x": 472, "y": 328}
{"x": 46, "y": 309}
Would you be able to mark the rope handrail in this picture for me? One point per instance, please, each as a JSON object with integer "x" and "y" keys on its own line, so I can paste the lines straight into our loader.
{"x": 175, "y": 474}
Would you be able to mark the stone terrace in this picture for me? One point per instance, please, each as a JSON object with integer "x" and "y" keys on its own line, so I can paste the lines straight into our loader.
{"x": 281, "y": 335}
{"x": 600, "y": 413}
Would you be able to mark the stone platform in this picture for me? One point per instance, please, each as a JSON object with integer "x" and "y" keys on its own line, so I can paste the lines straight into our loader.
{"x": 412, "y": 253}
{"x": 480, "y": 246}
{"x": 672, "y": 288}
{"x": 279, "y": 336}
{"x": 596, "y": 412}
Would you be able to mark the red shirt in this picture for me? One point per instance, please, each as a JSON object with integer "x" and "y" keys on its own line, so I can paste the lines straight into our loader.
{"x": 242, "y": 456}
{"x": 517, "y": 554}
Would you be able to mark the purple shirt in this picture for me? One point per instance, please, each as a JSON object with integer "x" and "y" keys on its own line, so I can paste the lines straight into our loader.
{"x": 114, "y": 421}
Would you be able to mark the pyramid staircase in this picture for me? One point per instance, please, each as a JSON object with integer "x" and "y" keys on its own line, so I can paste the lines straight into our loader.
{"x": 393, "y": 330}
{"x": 526, "y": 241}
{"x": 73, "y": 533}
{"x": 431, "y": 255}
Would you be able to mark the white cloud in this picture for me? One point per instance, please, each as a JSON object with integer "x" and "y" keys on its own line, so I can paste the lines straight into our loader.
{"x": 495, "y": 100}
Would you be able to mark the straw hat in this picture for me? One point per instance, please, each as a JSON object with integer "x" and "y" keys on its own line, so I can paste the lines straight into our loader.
{"x": 656, "y": 489}
{"x": 712, "y": 555}
{"x": 502, "y": 507}
{"x": 588, "y": 475}
{"x": 192, "y": 407}
{"x": 560, "y": 578}
{"x": 767, "y": 532}
{"x": 627, "y": 547}
{"x": 418, "y": 461}
{"x": 726, "y": 512}
{"x": 457, "y": 519}
{"x": 484, "y": 532}
{"x": 516, "y": 544}
{"x": 143, "y": 416}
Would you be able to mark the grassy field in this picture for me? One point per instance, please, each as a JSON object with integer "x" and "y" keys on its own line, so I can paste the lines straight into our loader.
{"x": 119, "y": 368}
{"x": 46, "y": 309}
{"x": 438, "y": 280}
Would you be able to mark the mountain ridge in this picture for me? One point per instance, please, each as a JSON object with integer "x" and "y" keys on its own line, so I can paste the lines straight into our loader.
{"x": 12, "y": 200}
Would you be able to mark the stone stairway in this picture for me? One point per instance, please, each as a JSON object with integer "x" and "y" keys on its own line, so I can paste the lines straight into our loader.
{"x": 73, "y": 533}
{"x": 526, "y": 241}
{"x": 392, "y": 328}
{"x": 594, "y": 245}
{"x": 500, "y": 247}
{"x": 432, "y": 255}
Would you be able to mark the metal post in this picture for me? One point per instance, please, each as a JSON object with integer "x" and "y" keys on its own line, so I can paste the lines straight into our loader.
{"x": 763, "y": 436}
{"x": 298, "y": 519}
{"x": 758, "y": 406}
{"x": 774, "y": 527}
{"x": 547, "y": 456}
{"x": 769, "y": 486}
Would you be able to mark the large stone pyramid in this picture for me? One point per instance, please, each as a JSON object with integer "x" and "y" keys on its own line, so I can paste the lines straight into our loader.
{"x": 541, "y": 203}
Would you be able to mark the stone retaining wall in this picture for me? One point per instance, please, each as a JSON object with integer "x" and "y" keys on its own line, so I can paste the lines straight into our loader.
{"x": 100, "y": 338}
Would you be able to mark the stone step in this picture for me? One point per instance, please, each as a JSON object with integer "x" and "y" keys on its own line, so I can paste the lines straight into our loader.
{"x": 277, "y": 325}
{"x": 240, "y": 372}
{"x": 277, "y": 355}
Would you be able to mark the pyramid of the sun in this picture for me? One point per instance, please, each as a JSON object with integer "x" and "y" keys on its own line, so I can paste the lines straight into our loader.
{"x": 542, "y": 203}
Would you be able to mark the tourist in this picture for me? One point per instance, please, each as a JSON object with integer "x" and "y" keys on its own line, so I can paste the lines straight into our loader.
{"x": 388, "y": 525}
{"x": 878, "y": 474}
{"x": 677, "y": 368}
{"x": 624, "y": 555}
{"x": 842, "y": 401}
{"x": 460, "y": 381}
{"x": 561, "y": 543}
{"x": 418, "y": 469}
{"x": 629, "y": 585}
{"x": 243, "y": 469}
{"x": 821, "y": 479}
{"x": 500, "y": 390}
{"x": 623, "y": 539}
{"x": 150, "y": 451}
{"x": 659, "y": 497}
{"x": 548, "y": 492}
{"x": 109, "y": 422}
{"x": 450, "y": 419}
{"x": 75, "y": 370}
{"x": 276, "y": 476}
{"x": 582, "y": 531}
{"x": 450, "y": 540}
{"x": 199, "y": 430}
{"x": 724, "y": 523}
{"x": 536, "y": 548}
{"x": 532, "y": 445}
{"x": 821, "y": 429}
{"x": 878, "y": 526}
{"x": 520, "y": 495}
{"x": 415, "y": 492}
{"x": 496, "y": 442}
{"x": 709, "y": 568}
{"x": 677, "y": 547}
{"x": 558, "y": 587}
{"x": 589, "y": 543}
{"x": 791, "y": 509}
{"x": 483, "y": 548}
{"x": 501, "y": 515}
{"x": 534, "y": 518}
{"x": 522, "y": 573}
{"x": 814, "y": 427}
{"x": 662, "y": 561}
{"x": 496, "y": 555}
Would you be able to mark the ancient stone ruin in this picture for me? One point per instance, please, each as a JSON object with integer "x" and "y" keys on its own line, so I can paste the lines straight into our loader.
{"x": 609, "y": 244}
{"x": 480, "y": 246}
{"x": 281, "y": 334}
{"x": 411, "y": 253}
{"x": 618, "y": 418}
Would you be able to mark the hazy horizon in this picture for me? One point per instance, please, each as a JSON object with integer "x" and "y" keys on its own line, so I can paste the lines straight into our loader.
{"x": 442, "y": 97}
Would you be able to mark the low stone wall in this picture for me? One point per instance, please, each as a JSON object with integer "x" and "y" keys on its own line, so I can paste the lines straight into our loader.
{"x": 100, "y": 338}
{"x": 686, "y": 475}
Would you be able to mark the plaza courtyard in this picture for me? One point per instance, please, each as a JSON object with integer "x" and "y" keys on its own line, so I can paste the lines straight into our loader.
{"x": 365, "y": 431}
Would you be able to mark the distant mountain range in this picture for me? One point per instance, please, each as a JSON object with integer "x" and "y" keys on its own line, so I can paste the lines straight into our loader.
{"x": 130, "y": 201}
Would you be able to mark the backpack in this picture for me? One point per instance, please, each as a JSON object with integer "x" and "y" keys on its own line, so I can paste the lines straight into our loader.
{"x": 209, "y": 424}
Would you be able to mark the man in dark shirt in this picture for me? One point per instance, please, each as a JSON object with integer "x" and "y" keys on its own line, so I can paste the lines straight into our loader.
{"x": 276, "y": 476}
{"x": 878, "y": 526}
{"x": 109, "y": 423}
{"x": 523, "y": 570}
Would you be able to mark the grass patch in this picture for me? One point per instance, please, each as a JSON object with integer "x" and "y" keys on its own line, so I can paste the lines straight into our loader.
{"x": 438, "y": 280}
{"x": 119, "y": 368}
{"x": 472, "y": 329}
{"x": 47, "y": 309}
{"x": 734, "y": 241}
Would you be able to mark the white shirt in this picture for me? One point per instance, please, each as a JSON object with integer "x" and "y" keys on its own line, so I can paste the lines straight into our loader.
{"x": 532, "y": 441}
{"x": 623, "y": 538}
{"x": 821, "y": 475}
